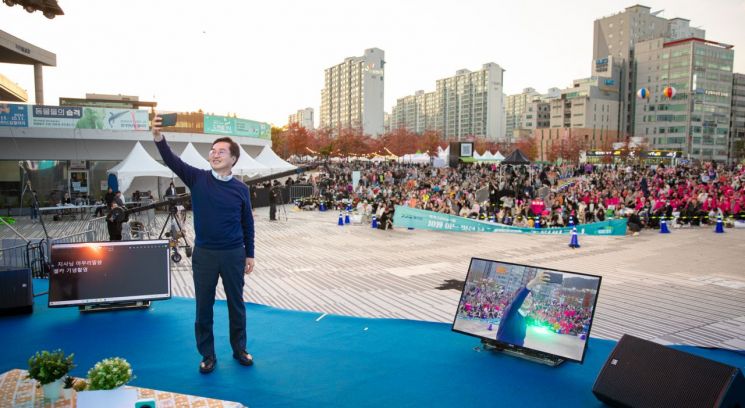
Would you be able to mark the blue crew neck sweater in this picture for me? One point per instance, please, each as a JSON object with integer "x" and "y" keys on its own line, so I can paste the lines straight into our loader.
{"x": 222, "y": 209}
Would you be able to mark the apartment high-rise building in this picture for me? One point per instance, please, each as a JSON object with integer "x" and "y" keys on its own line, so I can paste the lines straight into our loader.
{"x": 697, "y": 119}
{"x": 303, "y": 117}
{"x": 515, "y": 106}
{"x": 467, "y": 104}
{"x": 618, "y": 35}
{"x": 416, "y": 113}
{"x": 472, "y": 104}
{"x": 352, "y": 95}
{"x": 528, "y": 111}
{"x": 737, "y": 121}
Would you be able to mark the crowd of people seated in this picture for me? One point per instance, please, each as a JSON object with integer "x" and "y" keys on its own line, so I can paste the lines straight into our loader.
{"x": 548, "y": 194}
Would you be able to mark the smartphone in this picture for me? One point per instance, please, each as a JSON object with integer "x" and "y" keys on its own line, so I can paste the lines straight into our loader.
{"x": 555, "y": 277}
{"x": 168, "y": 119}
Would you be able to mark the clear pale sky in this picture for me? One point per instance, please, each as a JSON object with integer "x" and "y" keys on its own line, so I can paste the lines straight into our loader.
{"x": 265, "y": 59}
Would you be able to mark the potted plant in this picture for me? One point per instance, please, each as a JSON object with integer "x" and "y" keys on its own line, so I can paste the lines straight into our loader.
{"x": 68, "y": 386}
{"x": 48, "y": 368}
{"x": 109, "y": 373}
{"x": 105, "y": 381}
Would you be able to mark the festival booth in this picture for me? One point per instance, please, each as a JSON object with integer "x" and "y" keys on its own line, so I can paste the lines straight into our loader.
{"x": 191, "y": 156}
{"x": 140, "y": 172}
{"x": 248, "y": 166}
{"x": 416, "y": 158}
{"x": 274, "y": 163}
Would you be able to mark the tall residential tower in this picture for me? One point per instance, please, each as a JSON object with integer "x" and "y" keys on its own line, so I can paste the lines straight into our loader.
{"x": 352, "y": 95}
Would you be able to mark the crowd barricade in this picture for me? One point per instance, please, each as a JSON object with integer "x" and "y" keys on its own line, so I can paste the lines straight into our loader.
{"x": 300, "y": 191}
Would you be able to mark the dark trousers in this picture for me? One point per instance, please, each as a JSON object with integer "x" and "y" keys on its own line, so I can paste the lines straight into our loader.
{"x": 272, "y": 211}
{"x": 115, "y": 230}
{"x": 208, "y": 265}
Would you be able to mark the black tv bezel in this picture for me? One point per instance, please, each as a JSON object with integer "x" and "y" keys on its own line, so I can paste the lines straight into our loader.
{"x": 117, "y": 300}
{"x": 501, "y": 344}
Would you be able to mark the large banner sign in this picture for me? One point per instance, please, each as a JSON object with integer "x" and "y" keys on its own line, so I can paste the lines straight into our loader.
{"x": 420, "y": 219}
{"x": 13, "y": 115}
{"x": 223, "y": 125}
{"x": 73, "y": 117}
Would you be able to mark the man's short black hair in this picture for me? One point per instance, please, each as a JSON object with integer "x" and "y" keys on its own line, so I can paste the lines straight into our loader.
{"x": 235, "y": 151}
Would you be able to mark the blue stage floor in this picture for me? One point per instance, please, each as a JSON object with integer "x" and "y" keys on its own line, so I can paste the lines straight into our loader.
{"x": 305, "y": 362}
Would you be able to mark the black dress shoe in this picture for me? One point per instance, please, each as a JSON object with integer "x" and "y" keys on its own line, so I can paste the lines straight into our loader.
{"x": 244, "y": 358}
{"x": 207, "y": 365}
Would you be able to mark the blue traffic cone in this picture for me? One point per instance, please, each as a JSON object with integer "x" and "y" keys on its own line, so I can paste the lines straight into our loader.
{"x": 349, "y": 207}
{"x": 374, "y": 222}
{"x": 490, "y": 328}
{"x": 341, "y": 220}
{"x": 574, "y": 242}
{"x": 537, "y": 222}
{"x": 322, "y": 206}
{"x": 346, "y": 217}
{"x": 663, "y": 226}
{"x": 571, "y": 221}
{"x": 720, "y": 225}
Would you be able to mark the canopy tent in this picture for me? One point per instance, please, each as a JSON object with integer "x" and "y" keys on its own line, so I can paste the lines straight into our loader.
{"x": 138, "y": 163}
{"x": 248, "y": 166}
{"x": 443, "y": 153}
{"x": 477, "y": 156}
{"x": 274, "y": 163}
{"x": 516, "y": 158}
{"x": 418, "y": 158}
{"x": 192, "y": 157}
{"x": 498, "y": 156}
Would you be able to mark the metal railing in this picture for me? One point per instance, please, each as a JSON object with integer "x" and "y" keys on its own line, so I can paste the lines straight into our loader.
{"x": 300, "y": 191}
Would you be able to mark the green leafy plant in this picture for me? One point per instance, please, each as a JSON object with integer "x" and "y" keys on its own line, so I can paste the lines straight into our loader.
{"x": 47, "y": 367}
{"x": 109, "y": 373}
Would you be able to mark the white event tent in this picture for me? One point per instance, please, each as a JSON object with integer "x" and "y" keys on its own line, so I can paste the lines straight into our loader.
{"x": 191, "y": 156}
{"x": 268, "y": 158}
{"x": 139, "y": 164}
{"x": 248, "y": 166}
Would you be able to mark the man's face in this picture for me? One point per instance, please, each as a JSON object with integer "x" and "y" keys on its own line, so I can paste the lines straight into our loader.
{"x": 220, "y": 158}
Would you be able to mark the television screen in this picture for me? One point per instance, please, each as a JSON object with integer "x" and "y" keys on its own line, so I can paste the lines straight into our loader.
{"x": 528, "y": 308}
{"x": 109, "y": 272}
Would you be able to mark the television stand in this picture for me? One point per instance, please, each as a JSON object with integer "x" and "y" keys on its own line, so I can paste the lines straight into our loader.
{"x": 103, "y": 307}
{"x": 530, "y": 355}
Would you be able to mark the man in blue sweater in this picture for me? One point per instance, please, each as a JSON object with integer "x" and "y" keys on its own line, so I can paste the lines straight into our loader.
{"x": 223, "y": 243}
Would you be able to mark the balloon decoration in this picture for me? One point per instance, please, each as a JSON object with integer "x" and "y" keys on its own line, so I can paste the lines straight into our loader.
{"x": 669, "y": 92}
{"x": 643, "y": 93}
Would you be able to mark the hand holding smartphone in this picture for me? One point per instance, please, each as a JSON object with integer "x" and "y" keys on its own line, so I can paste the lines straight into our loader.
{"x": 168, "y": 119}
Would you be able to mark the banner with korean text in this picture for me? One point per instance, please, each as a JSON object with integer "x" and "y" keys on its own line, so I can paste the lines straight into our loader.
{"x": 224, "y": 125}
{"x": 13, "y": 115}
{"x": 407, "y": 217}
{"x": 74, "y": 117}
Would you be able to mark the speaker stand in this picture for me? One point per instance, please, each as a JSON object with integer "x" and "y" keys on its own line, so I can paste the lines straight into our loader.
{"x": 105, "y": 307}
{"x": 525, "y": 354}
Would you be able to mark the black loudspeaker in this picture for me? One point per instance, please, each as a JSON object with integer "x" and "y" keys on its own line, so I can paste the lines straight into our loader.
{"x": 16, "y": 291}
{"x": 640, "y": 373}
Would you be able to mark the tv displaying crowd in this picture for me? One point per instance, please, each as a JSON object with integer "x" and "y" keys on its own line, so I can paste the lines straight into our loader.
{"x": 683, "y": 194}
{"x": 486, "y": 300}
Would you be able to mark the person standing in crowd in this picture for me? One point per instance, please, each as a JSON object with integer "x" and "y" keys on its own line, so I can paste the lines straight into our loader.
{"x": 170, "y": 191}
{"x": 274, "y": 193}
{"x": 224, "y": 242}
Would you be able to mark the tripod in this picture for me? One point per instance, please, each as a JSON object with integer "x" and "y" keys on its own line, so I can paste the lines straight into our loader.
{"x": 275, "y": 193}
{"x": 176, "y": 232}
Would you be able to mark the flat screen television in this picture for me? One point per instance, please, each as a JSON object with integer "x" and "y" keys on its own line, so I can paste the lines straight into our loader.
{"x": 109, "y": 272}
{"x": 538, "y": 312}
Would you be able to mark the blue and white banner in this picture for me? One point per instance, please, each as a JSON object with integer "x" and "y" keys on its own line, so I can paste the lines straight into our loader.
{"x": 420, "y": 219}
{"x": 13, "y": 115}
